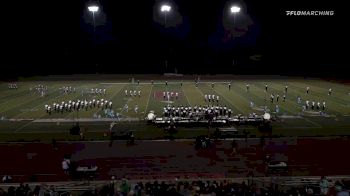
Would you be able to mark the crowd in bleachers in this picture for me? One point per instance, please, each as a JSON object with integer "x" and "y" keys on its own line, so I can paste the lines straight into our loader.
{"x": 196, "y": 187}
{"x": 21, "y": 190}
{"x": 213, "y": 187}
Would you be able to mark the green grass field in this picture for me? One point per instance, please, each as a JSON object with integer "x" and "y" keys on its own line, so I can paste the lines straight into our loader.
{"x": 21, "y": 109}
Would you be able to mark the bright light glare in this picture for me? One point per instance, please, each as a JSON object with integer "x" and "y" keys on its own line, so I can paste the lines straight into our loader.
{"x": 235, "y": 9}
{"x": 93, "y": 8}
{"x": 165, "y": 8}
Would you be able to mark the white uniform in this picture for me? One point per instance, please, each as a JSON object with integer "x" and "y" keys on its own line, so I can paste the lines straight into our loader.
{"x": 136, "y": 108}
{"x": 126, "y": 107}
{"x": 324, "y": 105}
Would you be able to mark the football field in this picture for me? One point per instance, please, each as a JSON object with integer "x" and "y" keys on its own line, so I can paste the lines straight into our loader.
{"x": 23, "y": 112}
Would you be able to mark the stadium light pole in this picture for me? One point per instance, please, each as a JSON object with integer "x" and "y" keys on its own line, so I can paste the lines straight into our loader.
{"x": 165, "y": 8}
{"x": 235, "y": 10}
{"x": 93, "y": 9}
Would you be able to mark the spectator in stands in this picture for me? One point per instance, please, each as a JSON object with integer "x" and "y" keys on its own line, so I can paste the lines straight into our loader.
{"x": 54, "y": 144}
{"x": 338, "y": 185}
{"x": 124, "y": 187}
{"x": 250, "y": 177}
{"x": 343, "y": 193}
{"x": 11, "y": 191}
{"x": 65, "y": 166}
{"x": 7, "y": 179}
{"x": 81, "y": 134}
{"x": 332, "y": 191}
{"x": 309, "y": 191}
{"x": 324, "y": 184}
{"x": 234, "y": 146}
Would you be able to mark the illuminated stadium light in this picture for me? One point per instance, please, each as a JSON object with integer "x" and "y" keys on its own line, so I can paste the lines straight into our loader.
{"x": 165, "y": 8}
{"x": 93, "y": 8}
{"x": 235, "y": 9}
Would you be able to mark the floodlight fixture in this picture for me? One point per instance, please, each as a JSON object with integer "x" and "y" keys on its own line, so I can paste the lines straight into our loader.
{"x": 93, "y": 8}
{"x": 165, "y": 8}
{"x": 235, "y": 9}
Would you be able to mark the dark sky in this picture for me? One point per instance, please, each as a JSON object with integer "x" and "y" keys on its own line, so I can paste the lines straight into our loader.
{"x": 57, "y": 37}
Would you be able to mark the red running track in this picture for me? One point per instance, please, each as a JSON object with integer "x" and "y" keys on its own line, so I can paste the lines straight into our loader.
{"x": 169, "y": 159}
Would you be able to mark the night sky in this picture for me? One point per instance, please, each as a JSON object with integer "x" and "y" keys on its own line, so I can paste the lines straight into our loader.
{"x": 57, "y": 37}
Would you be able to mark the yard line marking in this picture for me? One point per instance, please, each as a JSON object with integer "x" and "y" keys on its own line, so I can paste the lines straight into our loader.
{"x": 199, "y": 91}
{"x": 126, "y": 103}
{"x": 185, "y": 96}
{"x": 23, "y": 126}
{"x": 42, "y": 103}
{"x": 72, "y": 97}
{"x": 109, "y": 97}
{"x": 149, "y": 97}
{"x": 312, "y": 122}
{"x": 232, "y": 103}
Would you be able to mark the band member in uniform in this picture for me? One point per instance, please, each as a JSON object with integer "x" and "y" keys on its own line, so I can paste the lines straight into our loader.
{"x": 307, "y": 90}
{"x": 323, "y": 105}
{"x": 272, "y": 97}
{"x": 330, "y": 91}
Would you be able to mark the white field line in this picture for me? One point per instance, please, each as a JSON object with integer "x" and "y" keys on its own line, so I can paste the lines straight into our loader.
{"x": 149, "y": 97}
{"x": 314, "y": 123}
{"x": 186, "y": 97}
